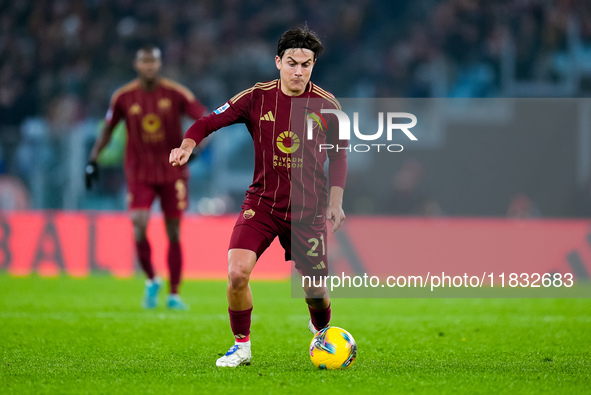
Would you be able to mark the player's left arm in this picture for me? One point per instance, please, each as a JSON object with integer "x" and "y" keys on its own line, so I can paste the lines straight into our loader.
{"x": 335, "y": 213}
{"x": 337, "y": 173}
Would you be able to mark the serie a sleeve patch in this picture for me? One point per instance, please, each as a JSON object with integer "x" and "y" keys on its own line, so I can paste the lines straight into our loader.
{"x": 221, "y": 109}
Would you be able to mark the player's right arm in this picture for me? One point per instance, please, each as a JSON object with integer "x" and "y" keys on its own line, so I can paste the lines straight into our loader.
{"x": 113, "y": 116}
{"x": 101, "y": 142}
{"x": 233, "y": 111}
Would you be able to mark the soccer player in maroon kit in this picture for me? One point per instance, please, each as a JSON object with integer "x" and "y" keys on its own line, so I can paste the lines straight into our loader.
{"x": 288, "y": 173}
{"x": 152, "y": 107}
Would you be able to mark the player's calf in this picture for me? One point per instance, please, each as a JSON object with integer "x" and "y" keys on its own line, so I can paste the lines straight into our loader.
{"x": 319, "y": 306}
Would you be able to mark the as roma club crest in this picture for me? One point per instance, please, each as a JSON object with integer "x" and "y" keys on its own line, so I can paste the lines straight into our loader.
{"x": 248, "y": 214}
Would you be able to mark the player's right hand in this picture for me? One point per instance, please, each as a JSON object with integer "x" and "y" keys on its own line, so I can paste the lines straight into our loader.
{"x": 91, "y": 174}
{"x": 179, "y": 156}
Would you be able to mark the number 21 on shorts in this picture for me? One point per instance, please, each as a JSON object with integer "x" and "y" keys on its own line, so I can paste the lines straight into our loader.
{"x": 314, "y": 245}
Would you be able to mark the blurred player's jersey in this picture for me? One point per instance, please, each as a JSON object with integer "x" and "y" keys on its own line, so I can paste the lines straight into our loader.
{"x": 153, "y": 122}
{"x": 289, "y": 179}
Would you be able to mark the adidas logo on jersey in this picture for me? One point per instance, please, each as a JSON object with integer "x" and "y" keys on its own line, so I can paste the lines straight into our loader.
{"x": 321, "y": 265}
{"x": 268, "y": 117}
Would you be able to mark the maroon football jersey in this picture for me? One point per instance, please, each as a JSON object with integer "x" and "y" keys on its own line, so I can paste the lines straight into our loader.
{"x": 289, "y": 179}
{"x": 153, "y": 123}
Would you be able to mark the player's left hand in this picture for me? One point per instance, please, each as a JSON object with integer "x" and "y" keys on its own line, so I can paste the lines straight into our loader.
{"x": 336, "y": 216}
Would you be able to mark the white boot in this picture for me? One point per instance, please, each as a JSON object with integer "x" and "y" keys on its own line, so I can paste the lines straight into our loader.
{"x": 238, "y": 354}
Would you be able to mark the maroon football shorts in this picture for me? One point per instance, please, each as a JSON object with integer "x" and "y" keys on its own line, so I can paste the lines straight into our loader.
{"x": 305, "y": 244}
{"x": 174, "y": 196}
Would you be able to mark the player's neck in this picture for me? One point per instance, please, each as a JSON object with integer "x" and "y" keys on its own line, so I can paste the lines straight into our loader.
{"x": 149, "y": 85}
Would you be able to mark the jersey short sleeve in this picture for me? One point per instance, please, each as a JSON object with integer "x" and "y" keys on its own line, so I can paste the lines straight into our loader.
{"x": 115, "y": 111}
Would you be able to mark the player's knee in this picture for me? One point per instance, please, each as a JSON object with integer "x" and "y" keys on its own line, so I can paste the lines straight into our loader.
{"x": 315, "y": 293}
{"x": 173, "y": 235}
{"x": 139, "y": 232}
{"x": 238, "y": 277}
{"x": 240, "y": 265}
{"x": 173, "y": 230}
{"x": 139, "y": 219}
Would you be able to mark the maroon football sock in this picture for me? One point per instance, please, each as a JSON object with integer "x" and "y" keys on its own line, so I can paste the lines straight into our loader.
{"x": 144, "y": 254}
{"x": 175, "y": 265}
{"x": 240, "y": 323}
{"x": 320, "y": 317}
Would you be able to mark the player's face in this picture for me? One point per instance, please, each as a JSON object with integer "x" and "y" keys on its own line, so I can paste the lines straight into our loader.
{"x": 295, "y": 68}
{"x": 147, "y": 64}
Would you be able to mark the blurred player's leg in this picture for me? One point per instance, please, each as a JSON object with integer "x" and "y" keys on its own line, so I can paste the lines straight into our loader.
{"x": 240, "y": 265}
{"x": 173, "y": 200}
{"x": 140, "y": 218}
{"x": 175, "y": 263}
{"x": 144, "y": 251}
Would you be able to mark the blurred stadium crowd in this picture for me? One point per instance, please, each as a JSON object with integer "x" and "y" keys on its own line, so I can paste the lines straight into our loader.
{"x": 60, "y": 60}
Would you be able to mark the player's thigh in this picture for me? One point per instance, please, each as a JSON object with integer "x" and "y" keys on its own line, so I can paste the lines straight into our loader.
{"x": 140, "y": 196}
{"x": 309, "y": 252}
{"x": 254, "y": 231}
{"x": 174, "y": 198}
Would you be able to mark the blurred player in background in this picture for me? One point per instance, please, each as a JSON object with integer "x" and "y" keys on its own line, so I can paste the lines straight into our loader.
{"x": 268, "y": 111}
{"x": 152, "y": 107}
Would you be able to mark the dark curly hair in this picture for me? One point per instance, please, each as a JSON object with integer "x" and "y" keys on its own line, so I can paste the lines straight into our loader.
{"x": 299, "y": 37}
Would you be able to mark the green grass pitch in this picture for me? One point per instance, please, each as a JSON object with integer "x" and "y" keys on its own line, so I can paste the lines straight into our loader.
{"x": 90, "y": 335}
